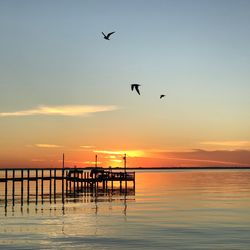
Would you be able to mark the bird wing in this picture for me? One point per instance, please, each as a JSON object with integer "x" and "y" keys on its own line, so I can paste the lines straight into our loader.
{"x": 132, "y": 87}
{"x": 109, "y": 34}
{"x": 103, "y": 34}
{"x": 137, "y": 89}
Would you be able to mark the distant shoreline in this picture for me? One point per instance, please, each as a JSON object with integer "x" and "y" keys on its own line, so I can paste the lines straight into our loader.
{"x": 134, "y": 168}
{"x": 182, "y": 168}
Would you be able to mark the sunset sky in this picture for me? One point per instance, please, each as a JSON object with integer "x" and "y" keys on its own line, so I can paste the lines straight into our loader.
{"x": 66, "y": 89}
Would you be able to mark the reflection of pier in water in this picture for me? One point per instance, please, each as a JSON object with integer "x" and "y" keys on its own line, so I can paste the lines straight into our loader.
{"x": 39, "y": 185}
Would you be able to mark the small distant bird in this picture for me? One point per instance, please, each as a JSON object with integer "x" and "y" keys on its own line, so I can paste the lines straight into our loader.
{"x": 108, "y": 35}
{"x": 161, "y": 96}
{"x": 136, "y": 87}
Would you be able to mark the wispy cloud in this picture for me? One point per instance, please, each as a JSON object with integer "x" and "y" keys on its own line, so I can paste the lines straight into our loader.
{"x": 67, "y": 110}
{"x": 87, "y": 147}
{"x": 217, "y": 157}
{"x": 130, "y": 153}
{"x": 37, "y": 160}
{"x": 227, "y": 143}
{"x": 47, "y": 146}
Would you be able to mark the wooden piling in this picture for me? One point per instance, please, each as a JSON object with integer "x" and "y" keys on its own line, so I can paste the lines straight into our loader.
{"x": 78, "y": 177}
{"x": 42, "y": 179}
{"x": 85, "y": 180}
{"x": 36, "y": 186}
{"x": 55, "y": 185}
{"x": 81, "y": 181}
{"x": 21, "y": 187}
{"x": 13, "y": 187}
{"x": 67, "y": 184}
{"x": 50, "y": 184}
{"x": 28, "y": 186}
{"x": 63, "y": 185}
{"x": 6, "y": 188}
{"x": 74, "y": 183}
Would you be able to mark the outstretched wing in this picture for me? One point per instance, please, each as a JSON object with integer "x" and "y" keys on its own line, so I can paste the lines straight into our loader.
{"x": 103, "y": 34}
{"x": 137, "y": 89}
{"x": 132, "y": 87}
{"x": 109, "y": 34}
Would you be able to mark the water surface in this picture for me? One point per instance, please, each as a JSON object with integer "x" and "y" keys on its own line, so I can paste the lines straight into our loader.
{"x": 198, "y": 209}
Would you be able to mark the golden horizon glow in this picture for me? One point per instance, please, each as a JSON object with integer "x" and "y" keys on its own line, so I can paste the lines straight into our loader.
{"x": 129, "y": 153}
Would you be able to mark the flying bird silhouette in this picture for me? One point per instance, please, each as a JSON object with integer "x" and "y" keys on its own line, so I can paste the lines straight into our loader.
{"x": 108, "y": 35}
{"x": 161, "y": 96}
{"x": 136, "y": 87}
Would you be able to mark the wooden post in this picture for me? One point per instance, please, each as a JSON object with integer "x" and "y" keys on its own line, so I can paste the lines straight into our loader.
{"x": 67, "y": 184}
{"x": 134, "y": 182}
{"x": 70, "y": 182}
{"x": 81, "y": 180}
{"x": 36, "y": 186}
{"x": 22, "y": 187}
{"x": 88, "y": 180}
{"x": 78, "y": 177}
{"x": 85, "y": 180}
{"x": 6, "y": 188}
{"x": 28, "y": 186}
{"x": 120, "y": 182}
{"x": 125, "y": 170}
{"x": 13, "y": 187}
{"x": 63, "y": 184}
{"x": 55, "y": 185}
{"x": 50, "y": 184}
{"x": 74, "y": 182}
{"x": 42, "y": 185}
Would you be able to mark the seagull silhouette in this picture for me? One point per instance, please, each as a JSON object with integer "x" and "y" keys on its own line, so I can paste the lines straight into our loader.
{"x": 161, "y": 96}
{"x": 108, "y": 35}
{"x": 136, "y": 87}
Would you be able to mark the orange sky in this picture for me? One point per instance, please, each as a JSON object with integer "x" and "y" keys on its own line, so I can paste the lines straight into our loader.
{"x": 44, "y": 155}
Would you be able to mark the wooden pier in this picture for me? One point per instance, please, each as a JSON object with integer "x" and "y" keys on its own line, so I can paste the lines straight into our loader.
{"x": 27, "y": 185}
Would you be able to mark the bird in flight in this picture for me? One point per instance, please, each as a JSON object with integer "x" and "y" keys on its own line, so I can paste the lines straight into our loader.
{"x": 136, "y": 87}
{"x": 161, "y": 96}
{"x": 108, "y": 35}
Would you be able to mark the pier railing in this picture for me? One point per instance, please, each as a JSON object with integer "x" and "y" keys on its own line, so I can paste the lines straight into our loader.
{"x": 33, "y": 184}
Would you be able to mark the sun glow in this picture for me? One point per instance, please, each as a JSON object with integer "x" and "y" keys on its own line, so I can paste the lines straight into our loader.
{"x": 129, "y": 153}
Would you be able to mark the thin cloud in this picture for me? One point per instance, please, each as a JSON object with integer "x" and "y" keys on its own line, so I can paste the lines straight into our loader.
{"x": 87, "y": 147}
{"x": 115, "y": 160}
{"x": 130, "y": 153}
{"x": 227, "y": 143}
{"x": 47, "y": 146}
{"x": 224, "y": 157}
{"x": 37, "y": 160}
{"x": 207, "y": 161}
{"x": 67, "y": 110}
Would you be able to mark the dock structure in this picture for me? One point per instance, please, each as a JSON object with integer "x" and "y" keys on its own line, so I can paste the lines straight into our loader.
{"x": 25, "y": 185}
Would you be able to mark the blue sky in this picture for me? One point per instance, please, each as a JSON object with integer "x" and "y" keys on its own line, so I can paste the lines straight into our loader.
{"x": 197, "y": 52}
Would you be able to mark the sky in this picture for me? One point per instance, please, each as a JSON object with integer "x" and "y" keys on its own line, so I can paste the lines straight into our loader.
{"x": 65, "y": 89}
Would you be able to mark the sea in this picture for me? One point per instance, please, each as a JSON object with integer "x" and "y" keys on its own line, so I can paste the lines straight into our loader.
{"x": 168, "y": 209}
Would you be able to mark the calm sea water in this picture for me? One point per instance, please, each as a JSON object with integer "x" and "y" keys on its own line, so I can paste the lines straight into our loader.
{"x": 169, "y": 210}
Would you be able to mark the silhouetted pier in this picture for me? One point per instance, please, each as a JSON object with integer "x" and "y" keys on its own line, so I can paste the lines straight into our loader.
{"x": 27, "y": 185}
